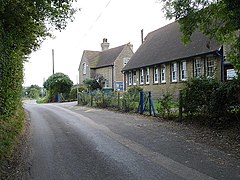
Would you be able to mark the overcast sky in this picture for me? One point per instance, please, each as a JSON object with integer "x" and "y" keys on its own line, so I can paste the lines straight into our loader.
{"x": 120, "y": 21}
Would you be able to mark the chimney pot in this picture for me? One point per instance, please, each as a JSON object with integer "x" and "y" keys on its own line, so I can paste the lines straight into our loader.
{"x": 105, "y": 44}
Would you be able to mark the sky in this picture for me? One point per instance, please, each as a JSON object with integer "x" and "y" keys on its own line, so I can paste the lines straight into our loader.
{"x": 120, "y": 21}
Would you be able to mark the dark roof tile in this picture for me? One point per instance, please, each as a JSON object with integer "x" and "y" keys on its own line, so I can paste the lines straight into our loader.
{"x": 164, "y": 45}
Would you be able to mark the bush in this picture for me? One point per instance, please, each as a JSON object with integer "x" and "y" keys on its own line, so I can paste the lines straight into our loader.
{"x": 216, "y": 102}
{"x": 165, "y": 104}
{"x": 101, "y": 99}
{"x": 73, "y": 92}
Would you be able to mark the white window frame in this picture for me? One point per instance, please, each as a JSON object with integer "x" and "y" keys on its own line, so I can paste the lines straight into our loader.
{"x": 155, "y": 74}
{"x": 147, "y": 74}
{"x": 183, "y": 70}
{"x": 141, "y": 76}
{"x": 134, "y": 77}
{"x": 174, "y": 72}
{"x": 130, "y": 78}
{"x": 163, "y": 73}
{"x": 84, "y": 68}
{"x": 198, "y": 67}
{"x": 210, "y": 67}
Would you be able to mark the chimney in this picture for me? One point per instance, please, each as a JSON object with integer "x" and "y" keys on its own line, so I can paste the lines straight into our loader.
{"x": 105, "y": 44}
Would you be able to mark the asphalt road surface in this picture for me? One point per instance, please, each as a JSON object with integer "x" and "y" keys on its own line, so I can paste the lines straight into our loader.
{"x": 72, "y": 142}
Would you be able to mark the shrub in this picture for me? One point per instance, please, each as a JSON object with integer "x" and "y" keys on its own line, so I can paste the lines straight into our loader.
{"x": 129, "y": 101}
{"x": 73, "y": 92}
{"x": 102, "y": 100}
{"x": 165, "y": 104}
{"x": 216, "y": 102}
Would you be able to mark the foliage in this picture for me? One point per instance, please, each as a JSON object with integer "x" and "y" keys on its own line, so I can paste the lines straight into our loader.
{"x": 217, "y": 19}
{"x": 58, "y": 83}
{"x": 23, "y": 26}
{"x": 11, "y": 73}
{"x": 134, "y": 90}
{"x": 130, "y": 101}
{"x": 92, "y": 84}
{"x": 33, "y": 91}
{"x": 101, "y": 99}
{"x": 217, "y": 101}
{"x": 165, "y": 104}
{"x": 10, "y": 127}
{"x": 84, "y": 98}
{"x": 74, "y": 90}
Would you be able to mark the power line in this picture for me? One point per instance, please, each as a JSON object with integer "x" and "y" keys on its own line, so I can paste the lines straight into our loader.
{"x": 98, "y": 17}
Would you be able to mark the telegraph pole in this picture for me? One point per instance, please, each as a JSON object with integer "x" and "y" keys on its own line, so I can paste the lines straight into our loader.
{"x": 53, "y": 59}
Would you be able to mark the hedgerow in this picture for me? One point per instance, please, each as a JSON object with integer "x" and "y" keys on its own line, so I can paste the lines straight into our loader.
{"x": 215, "y": 102}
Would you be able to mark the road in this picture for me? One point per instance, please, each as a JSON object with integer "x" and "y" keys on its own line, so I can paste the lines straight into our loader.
{"x": 72, "y": 142}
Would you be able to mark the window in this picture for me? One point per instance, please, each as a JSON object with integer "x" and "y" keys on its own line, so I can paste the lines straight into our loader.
{"x": 183, "y": 70}
{"x": 163, "y": 73}
{"x": 125, "y": 61}
{"x": 84, "y": 68}
{"x": 210, "y": 67}
{"x": 134, "y": 77}
{"x": 198, "y": 67}
{"x": 174, "y": 72}
{"x": 147, "y": 75}
{"x": 130, "y": 78}
{"x": 155, "y": 75}
{"x": 141, "y": 76}
{"x": 231, "y": 73}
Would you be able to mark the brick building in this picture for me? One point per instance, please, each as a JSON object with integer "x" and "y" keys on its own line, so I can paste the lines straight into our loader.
{"x": 162, "y": 63}
{"x": 106, "y": 64}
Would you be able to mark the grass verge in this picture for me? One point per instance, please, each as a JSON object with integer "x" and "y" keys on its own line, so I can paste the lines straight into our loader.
{"x": 10, "y": 128}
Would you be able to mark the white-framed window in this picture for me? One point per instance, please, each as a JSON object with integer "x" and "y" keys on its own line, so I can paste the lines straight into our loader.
{"x": 183, "y": 70}
{"x": 147, "y": 75}
{"x": 210, "y": 67}
{"x": 141, "y": 76}
{"x": 134, "y": 77}
{"x": 198, "y": 67}
{"x": 163, "y": 73}
{"x": 125, "y": 61}
{"x": 231, "y": 74}
{"x": 84, "y": 68}
{"x": 155, "y": 74}
{"x": 174, "y": 72}
{"x": 130, "y": 78}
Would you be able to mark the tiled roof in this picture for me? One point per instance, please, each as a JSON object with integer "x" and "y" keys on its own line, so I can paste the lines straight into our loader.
{"x": 164, "y": 45}
{"x": 107, "y": 57}
{"x": 92, "y": 57}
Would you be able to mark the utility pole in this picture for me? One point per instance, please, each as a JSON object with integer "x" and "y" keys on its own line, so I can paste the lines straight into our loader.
{"x": 53, "y": 59}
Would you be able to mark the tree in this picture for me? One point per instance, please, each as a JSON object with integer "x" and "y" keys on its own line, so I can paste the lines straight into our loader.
{"x": 58, "y": 83}
{"x": 23, "y": 26}
{"x": 33, "y": 91}
{"x": 217, "y": 19}
{"x": 92, "y": 84}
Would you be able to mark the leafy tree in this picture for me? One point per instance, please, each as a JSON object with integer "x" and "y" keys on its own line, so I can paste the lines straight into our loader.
{"x": 58, "y": 83}
{"x": 33, "y": 91}
{"x": 92, "y": 84}
{"x": 215, "y": 18}
{"x": 23, "y": 26}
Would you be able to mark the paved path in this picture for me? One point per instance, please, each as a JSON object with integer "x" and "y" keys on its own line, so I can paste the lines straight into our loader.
{"x": 72, "y": 142}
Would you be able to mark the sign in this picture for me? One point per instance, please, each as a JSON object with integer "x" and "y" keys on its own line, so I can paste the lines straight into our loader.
{"x": 119, "y": 86}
